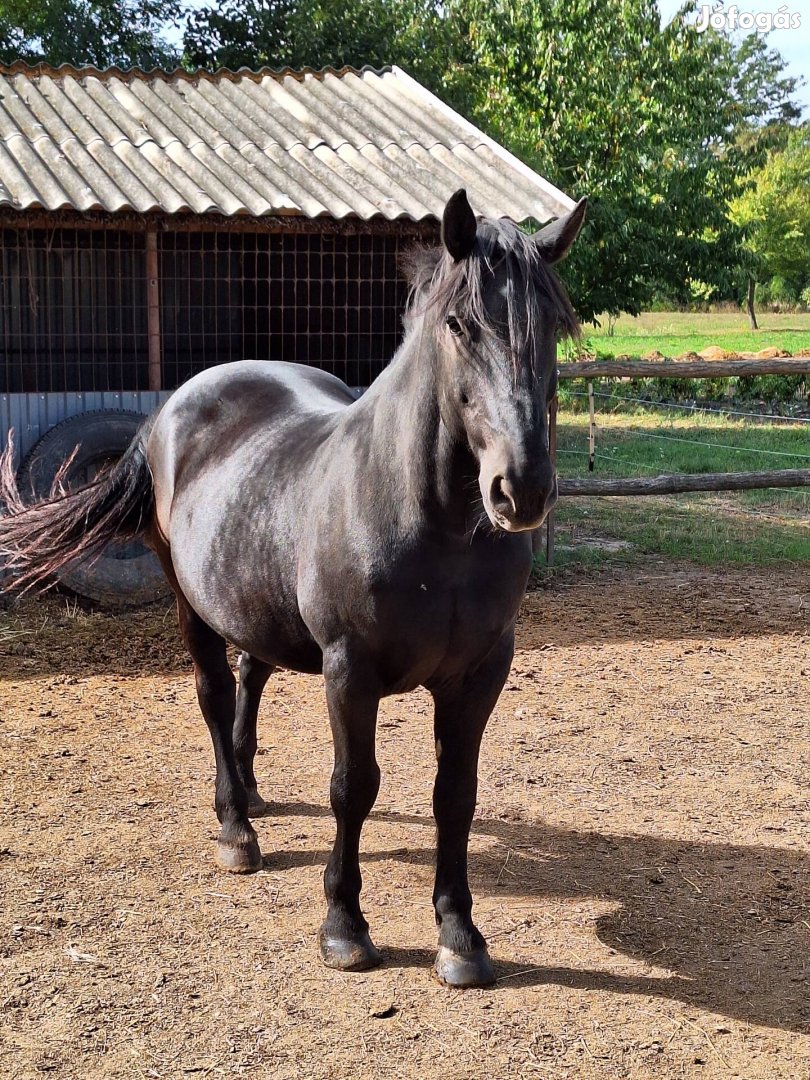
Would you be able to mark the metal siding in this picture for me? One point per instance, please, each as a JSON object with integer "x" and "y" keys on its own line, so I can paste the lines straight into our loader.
{"x": 32, "y": 415}
{"x": 363, "y": 143}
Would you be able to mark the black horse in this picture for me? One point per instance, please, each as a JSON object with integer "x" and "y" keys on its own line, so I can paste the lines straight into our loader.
{"x": 384, "y": 541}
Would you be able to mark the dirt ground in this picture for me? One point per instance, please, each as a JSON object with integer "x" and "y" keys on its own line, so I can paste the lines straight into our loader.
{"x": 640, "y": 857}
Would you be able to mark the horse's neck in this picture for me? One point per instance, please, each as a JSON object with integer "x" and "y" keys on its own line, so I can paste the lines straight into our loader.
{"x": 430, "y": 472}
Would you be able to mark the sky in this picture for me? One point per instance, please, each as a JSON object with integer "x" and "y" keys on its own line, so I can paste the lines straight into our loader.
{"x": 794, "y": 45}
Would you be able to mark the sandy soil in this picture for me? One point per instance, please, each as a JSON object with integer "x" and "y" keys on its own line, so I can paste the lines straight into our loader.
{"x": 640, "y": 857}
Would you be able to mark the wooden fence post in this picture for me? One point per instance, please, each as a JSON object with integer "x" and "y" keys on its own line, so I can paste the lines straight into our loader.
{"x": 153, "y": 312}
{"x": 552, "y": 449}
{"x": 548, "y": 529}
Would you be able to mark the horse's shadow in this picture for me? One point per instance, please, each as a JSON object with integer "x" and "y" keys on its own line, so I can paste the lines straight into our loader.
{"x": 730, "y": 924}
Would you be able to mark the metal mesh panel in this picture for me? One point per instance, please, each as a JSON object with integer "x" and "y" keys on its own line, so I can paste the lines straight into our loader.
{"x": 73, "y": 304}
{"x": 72, "y": 310}
{"x": 333, "y": 301}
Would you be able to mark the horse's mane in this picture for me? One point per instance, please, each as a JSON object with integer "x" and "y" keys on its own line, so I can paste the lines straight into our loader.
{"x": 440, "y": 285}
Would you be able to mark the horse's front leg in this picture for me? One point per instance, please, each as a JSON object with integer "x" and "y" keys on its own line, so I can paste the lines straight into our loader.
{"x": 461, "y": 715}
{"x": 343, "y": 938}
{"x": 253, "y": 676}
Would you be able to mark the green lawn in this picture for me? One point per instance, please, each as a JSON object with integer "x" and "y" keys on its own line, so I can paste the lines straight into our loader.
{"x": 675, "y": 333}
{"x": 747, "y": 527}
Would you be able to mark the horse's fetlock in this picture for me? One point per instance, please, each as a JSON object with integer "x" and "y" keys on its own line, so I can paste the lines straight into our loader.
{"x": 460, "y": 935}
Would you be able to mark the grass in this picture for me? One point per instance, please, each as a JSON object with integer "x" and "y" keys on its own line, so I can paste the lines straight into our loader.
{"x": 753, "y": 527}
{"x": 675, "y": 333}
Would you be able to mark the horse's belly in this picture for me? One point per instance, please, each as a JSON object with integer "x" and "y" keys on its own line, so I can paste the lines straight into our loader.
{"x": 253, "y": 621}
{"x": 273, "y": 643}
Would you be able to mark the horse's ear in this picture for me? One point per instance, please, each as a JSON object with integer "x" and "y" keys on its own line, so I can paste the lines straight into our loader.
{"x": 458, "y": 226}
{"x": 555, "y": 240}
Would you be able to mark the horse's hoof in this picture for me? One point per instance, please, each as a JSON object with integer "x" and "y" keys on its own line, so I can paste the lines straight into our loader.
{"x": 239, "y": 858}
{"x": 348, "y": 954}
{"x": 464, "y": 968}
{"x": 257, "y": 807}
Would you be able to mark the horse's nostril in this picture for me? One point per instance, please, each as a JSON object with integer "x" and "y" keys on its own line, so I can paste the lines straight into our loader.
{"x": 501, "y": 496}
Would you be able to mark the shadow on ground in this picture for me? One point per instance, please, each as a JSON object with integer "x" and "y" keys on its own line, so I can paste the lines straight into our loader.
{"x": 731, "y": 923}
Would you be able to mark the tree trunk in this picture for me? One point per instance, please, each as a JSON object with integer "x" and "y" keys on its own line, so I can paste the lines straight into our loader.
{"x": 749, "y": 303}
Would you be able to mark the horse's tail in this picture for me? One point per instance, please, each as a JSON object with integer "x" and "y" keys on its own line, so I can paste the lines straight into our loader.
{"x": 40, "y": 539}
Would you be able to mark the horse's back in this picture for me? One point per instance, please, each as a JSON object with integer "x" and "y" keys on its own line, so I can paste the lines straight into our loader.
{"x": 250, "y": 391}
{"x": 230, "y": 407}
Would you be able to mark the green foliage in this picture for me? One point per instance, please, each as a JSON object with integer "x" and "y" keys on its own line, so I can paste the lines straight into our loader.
{"x": 774, "y": 390}
{"x": 765, "y": 94}
{"x": 101, "y": 33}
{"x": 644, "y": 120}
{"x": 280, "y": 33}
{"x": 655, "y": 125}
{"x": 778, "y": 389}
{"x": 593, "y": 93}
{"x": 775, "y": 214}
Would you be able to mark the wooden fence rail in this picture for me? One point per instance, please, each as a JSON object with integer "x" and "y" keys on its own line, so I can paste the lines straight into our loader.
{"x": 674, "y": 483}
{"x": 682, "y": 369}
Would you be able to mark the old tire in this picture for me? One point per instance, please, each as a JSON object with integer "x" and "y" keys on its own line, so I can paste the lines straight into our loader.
{"x": 125, "y": 573}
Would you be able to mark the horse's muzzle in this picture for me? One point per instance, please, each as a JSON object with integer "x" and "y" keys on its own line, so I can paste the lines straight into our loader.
{"x": 518, "y": 506}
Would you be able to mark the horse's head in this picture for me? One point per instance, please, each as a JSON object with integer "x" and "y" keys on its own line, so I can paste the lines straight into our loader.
{"x": 498, "y": 311}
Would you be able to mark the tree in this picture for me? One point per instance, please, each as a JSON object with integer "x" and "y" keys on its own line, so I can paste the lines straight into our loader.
{"x": 648, "y": 122}
{"x": 281, "y": 33}
{"x": 643, "y": 119}
{"x": 774, "y": 213}
{"x": 101, "y": 33}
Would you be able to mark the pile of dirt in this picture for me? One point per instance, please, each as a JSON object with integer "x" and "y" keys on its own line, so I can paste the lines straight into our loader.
{"x": 714, "y": 352}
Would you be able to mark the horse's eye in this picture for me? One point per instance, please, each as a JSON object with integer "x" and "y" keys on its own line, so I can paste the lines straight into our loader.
{"x": 454, "y": 326}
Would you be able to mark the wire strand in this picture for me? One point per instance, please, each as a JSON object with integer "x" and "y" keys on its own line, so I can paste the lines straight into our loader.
{"x": 607, "y": 455}
{"x": 696, "y": 408}
{"x": 719, "y": 446}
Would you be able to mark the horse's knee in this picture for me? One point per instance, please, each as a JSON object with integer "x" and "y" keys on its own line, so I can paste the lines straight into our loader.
{"x": 354, "y": 789}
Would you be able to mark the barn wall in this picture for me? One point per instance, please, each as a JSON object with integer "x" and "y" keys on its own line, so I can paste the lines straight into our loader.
{"x": 333, "y": 301}
{"x": 73, "y": 303}
{"x": 72, "y": 310}
{"x": 32, "y": 415}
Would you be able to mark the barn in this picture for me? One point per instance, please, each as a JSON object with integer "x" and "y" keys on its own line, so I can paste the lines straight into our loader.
{"x": 153, "y": 224}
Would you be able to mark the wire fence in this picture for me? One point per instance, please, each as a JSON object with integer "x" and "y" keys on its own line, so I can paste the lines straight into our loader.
{"x": 619, "y": 442}
{"x": 718, "y": 411}
{"x": 717, "y": 445}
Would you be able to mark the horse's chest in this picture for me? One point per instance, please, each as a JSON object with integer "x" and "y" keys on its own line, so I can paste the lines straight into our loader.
{"x": 434, "y": 619}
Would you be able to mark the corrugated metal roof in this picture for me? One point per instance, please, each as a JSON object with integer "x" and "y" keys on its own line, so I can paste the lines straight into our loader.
{"x": 339, "y": 143}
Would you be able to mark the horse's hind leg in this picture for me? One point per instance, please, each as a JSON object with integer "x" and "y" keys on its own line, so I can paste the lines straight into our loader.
{"x": 238, "y": 848}
{"x": 460, "y": 719}
{"x": 253, "y": 676}
{"x": 344, "y": 939}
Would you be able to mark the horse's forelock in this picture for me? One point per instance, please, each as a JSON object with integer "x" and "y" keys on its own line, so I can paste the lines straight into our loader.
{"x": 443, "y": 286}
